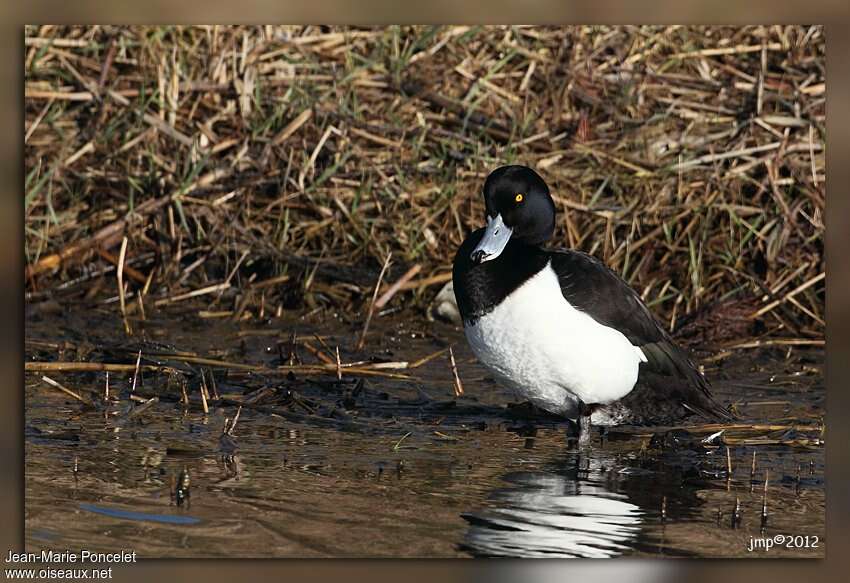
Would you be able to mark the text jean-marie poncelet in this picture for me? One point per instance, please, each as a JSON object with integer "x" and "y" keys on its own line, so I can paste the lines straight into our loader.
{"x": 82, "y": 556}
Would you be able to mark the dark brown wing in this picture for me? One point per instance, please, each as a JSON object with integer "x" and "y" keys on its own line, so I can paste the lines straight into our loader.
{"x": 604, "y": 296}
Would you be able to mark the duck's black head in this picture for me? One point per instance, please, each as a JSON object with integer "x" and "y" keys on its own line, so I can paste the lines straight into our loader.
{"x": 519, "y": 208}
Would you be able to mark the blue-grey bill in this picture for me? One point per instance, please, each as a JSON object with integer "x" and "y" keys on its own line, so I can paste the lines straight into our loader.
{"x": 494, "y": 241}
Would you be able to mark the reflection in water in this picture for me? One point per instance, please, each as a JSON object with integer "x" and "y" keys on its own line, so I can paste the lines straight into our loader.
{"x": 392, "y": 476}
{"x": 140, "y": 516}
{"x": 559, "y": 513}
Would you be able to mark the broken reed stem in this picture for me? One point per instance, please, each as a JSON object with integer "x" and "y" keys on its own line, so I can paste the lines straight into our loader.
{"x": 361, "y": 368}
{"x": 429, "y": 358}
{"x": 292, "y": 127}
{"x": 65, "y": 390}
{"x": 362, "y": 342}
{"x": 753, "y": 468}
{"x": 132, "y": 273}
{"x": 141, "y": 307}
{"x": 338, "y": 366}
{"x": 120, "y": 274}
{"x": 104, "y": 234}
{"x": 213, "y": 385}
{"x": 458, "y": 385}
{"x": 318, "y": 353}
{"x": 193, "y": 294}
{"x": 81, "y": 367}
{"x": 764, "y": 499}
{"x": 394, "y": 288}
{"x": 321, "y": 341}
{"x": 790, "y": 295}
{"x": 232, "y": 426}
{"x": 426, "y": 281}
{"x": 184, "y": 396}
{"x": 144, "y": 405}
{"x": 398, "y": 443}
{"x": 136, "y": 372}
{"x": 203, "y": 389}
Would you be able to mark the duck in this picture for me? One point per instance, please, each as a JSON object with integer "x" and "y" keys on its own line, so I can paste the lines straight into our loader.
{"x": 561, "y": 329}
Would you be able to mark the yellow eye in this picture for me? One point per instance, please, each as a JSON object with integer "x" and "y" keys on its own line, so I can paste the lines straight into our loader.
{"x": 519, "y": 197}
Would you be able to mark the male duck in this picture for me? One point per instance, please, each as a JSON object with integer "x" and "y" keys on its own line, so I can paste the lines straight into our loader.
{"x": 559, "y": 327}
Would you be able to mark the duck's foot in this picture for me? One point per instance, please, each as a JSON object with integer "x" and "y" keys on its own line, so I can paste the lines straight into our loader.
{"x": 584, "y": 430}
{"x": 578, "y": 434}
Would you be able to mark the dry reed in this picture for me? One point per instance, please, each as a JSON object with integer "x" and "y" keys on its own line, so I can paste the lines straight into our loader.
{"x": 690, "y": 158}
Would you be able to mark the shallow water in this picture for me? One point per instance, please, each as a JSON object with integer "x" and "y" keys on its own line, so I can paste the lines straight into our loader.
{"x": 396, "y": 467}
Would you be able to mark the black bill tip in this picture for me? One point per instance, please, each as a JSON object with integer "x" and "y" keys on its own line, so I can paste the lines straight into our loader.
{"x": 478, "y": 256}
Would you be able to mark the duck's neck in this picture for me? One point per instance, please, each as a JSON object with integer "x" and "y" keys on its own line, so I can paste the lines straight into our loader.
{"x": 480, "y": 288}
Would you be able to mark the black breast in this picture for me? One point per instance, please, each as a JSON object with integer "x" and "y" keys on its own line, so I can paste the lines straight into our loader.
{"x": 480, "y": 288}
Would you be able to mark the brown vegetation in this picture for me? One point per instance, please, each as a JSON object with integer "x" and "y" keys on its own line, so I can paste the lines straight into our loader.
{"x": 262, "y": 167}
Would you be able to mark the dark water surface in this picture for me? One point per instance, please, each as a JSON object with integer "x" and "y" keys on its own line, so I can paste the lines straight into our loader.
{"x": 395, "y": 467}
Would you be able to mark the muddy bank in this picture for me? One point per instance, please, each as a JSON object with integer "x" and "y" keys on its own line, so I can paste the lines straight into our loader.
{"x": 387, "y": 460}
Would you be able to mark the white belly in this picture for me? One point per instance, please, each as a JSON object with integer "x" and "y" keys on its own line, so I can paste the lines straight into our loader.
{"x": 552, "y": 354}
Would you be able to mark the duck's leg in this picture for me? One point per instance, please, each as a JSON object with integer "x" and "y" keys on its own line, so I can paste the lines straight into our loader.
{"x": 583, "y": 426}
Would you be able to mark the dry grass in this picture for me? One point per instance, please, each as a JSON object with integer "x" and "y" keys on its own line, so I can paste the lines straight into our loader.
{"x": 262, "y": 167}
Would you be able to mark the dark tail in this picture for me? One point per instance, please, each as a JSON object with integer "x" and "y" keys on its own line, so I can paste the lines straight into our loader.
{"x": 659, "y": 399}
{"x": 709, "y": 409}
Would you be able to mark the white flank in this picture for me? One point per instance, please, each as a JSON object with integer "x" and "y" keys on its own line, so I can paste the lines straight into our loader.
{"x": 552, "y": 354}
